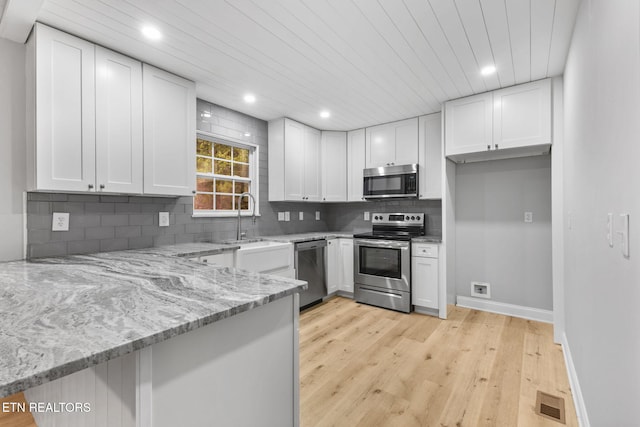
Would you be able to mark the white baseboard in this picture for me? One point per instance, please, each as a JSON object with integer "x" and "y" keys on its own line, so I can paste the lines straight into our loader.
{"x": 576, "y": 392}
{"x": 530, "y": 313}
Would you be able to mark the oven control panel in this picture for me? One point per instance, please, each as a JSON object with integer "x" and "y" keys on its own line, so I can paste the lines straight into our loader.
{"x": 398, "y": 218}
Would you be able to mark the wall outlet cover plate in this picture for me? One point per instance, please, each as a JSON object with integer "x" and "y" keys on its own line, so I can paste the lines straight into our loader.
{"x": 163, "y": 219}
{"x": 60, "y": 221}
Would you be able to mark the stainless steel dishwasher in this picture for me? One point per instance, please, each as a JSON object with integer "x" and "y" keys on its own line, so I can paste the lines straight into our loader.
{"x": 310, "y": 267}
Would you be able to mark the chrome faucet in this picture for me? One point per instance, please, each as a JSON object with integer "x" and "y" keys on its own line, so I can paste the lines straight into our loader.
{"x": 253, "y": 211}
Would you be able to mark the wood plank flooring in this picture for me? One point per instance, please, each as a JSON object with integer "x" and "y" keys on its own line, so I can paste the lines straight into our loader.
{"x": 15, "y": 419}
{"x": 366, "y": 366}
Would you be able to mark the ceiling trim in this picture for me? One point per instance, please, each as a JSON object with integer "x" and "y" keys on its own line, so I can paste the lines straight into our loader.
{"x": 18, "y": 19}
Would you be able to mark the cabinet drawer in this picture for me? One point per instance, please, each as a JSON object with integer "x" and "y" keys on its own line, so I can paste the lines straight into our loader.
{"x": 424, "y": 250}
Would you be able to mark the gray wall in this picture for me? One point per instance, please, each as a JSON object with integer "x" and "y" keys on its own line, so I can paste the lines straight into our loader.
{"x": 493, "y": 243}
{"x": 12, "y": 148}
{"x": 601, "y": 175}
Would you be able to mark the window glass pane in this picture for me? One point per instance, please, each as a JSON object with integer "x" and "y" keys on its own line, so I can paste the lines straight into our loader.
{"x": 205, "y": 184}
{"x": 222, "y": 151}
{"x": 222, "y": 167}
{"x": 240, "y": 155}
{"x": 203, "y": 201}
{"x": 242, "y": 187}
{"x": 224, "y": 186}
{"x": 244, "y": 203}
{"x": 203, "y": 164}
{"x": 224, "y": 201}
{"x": 241, "y": 170}
{"x": 203, "y": 147}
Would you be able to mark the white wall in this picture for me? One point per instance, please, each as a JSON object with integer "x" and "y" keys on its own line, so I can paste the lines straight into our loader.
{"x": 12, "y": 148}
{"x": 493, "y": 243}
{"x": 601, "y": 175}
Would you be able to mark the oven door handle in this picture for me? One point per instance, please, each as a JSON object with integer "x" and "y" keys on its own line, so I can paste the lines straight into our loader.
{"x": 381, "y": 243}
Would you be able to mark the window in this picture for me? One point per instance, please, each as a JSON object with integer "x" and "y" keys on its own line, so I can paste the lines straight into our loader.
{"x": 224, "y": 170}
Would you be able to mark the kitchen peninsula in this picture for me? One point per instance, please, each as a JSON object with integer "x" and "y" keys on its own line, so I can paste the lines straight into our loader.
{"x": 149, "y": 336}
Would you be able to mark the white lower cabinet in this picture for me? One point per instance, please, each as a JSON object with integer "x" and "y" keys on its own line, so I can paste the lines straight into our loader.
{"x": 333, "y": 265}
{"x": 424, "y": 275}
{"x": 346, "y": 264}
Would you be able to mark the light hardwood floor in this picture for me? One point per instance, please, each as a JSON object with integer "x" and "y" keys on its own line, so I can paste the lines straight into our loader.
{"x": 367, "y": 366}
{"x": 15, "y": 419}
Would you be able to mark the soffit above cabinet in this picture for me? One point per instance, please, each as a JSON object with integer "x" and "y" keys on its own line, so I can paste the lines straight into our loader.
{"x": 368, "y": 62}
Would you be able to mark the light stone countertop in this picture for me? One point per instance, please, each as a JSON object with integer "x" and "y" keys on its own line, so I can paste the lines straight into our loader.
{"x": 62, "y": 315}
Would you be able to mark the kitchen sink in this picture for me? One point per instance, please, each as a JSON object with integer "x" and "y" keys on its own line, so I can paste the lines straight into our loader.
{"x": 265, "y": 256}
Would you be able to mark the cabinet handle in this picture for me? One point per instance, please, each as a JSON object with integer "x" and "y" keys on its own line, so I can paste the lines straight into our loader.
{"x": 496, "y": 146}
{"x": 488, "y": 147}
{"x": 102, "y": 186}
{"x": 90, "y": 186}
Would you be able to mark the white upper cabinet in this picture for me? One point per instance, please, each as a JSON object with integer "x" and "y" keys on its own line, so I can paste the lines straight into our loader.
{"x": 522, "y": 115}
{"x": 334, "y": 166}
{"x": 312, "y": 176}
{"x": 469, "y": 124}
{"x": 393, "y": 143}
{"x": 430, "y": 157}
{"x": 61, "y": 138}
{"x": 294, "y": 162}
{"x": 169, "y": 133}
{"x": 118, "y": 122}
{"x": 355, "y": 164}
{"x": 510, "y": 122}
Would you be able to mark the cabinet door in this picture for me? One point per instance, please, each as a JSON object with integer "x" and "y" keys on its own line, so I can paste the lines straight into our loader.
{"x": 406, "y": 138}
{"x": 430, "y": 157}
{"x": 312, "y": 175}
{"x": 169, "y": 133}
{"x": 346, "y": 264}
{"x": 355, "y": 165}
{"x": 118, "y": 122}
{"x": 381, "y": 145}
{"x": 294, "y": 160}
{"x": 522, "y": 115}
{"x": 334, "y": 166}
{"x": 65, "y": 112}
{"x": 333, "y": 265}
{"x": 424, "y": 282}
{"x": 468, "y": 124}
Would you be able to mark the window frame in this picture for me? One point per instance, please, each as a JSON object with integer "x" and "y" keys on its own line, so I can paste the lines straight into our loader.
{"x": 254, "y": 166}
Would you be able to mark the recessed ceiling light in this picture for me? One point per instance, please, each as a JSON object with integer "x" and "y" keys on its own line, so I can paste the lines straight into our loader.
{"x": 249, "y": 98}
{"x": 488, "y": 70}
{"x": 247, "y": 134}
{"x": 325, "y": 114}
{"x": 152, "y": 33}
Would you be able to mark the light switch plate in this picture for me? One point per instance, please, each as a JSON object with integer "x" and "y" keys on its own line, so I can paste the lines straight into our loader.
{"x": 366, "y": 216}
{"x": 300, "y": 216}
{"x": 610, "y": 229}
{"x": 163, "y": 219}
{"x": 280, "y": 216}
{"x": 317, "y": 215}
{"x": 624, "y": 233}
{"x": 60, "y": 221}
{"x": 287, "y": 216}
{"x": 528, "y": 217}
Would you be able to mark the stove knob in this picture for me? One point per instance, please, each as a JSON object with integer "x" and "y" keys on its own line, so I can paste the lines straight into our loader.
{"x": 407, "y": 217}
{"x": 376, "y": 217}
{"x": 413, "y": 217}
{"x": 418, "y": 217}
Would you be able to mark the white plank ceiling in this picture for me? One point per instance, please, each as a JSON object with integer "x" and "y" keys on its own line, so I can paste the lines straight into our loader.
{"x": 366, "y": 61}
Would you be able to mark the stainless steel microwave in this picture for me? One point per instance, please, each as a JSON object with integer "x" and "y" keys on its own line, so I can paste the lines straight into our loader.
{"x": 391, "y": 181}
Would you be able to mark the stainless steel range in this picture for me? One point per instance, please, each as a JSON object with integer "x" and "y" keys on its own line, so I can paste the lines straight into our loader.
{"x": 382, "y": 260}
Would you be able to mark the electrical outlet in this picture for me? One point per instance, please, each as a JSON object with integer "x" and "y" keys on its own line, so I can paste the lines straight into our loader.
{"x": 163, "y": 219}
{"x": 287, "y": 216}
{"x": 317, "y": 215}
{"x": 60, "y": 221}
{"x": 624, "y": 234}
{"x": 300, "y": 216}
{"x": 480, "y": 289}
{"x": 366, "y": 216}
{"x": 528, "y": 217}
{"x": 280, "y": 216}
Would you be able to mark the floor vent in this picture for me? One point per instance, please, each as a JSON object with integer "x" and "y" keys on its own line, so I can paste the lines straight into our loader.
{"x": 550, "y": 406}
